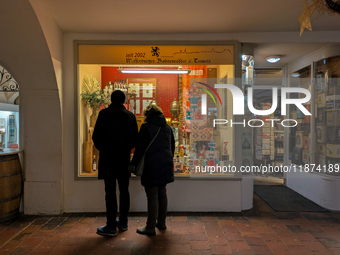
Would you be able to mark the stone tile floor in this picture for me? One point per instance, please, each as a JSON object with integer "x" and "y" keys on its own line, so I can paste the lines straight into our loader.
{"x": 257, "y": 231}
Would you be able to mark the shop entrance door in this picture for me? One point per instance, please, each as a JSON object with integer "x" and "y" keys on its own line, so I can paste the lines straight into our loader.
{"x": 269, "y": 139}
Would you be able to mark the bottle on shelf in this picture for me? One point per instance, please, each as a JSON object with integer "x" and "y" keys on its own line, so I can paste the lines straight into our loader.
{"x": 124, "y": 87}
{"x": 94, "y": 164}
{"x": 115, "y": 84}
{"x": 120, "y": 85}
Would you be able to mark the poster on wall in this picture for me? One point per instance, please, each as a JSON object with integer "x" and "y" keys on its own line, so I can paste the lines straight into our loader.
{"x": 148, "y": 89}
{"x": 134, "y": 88}
{"x": 145, "y": 89}
{"x": 137, "y": 106}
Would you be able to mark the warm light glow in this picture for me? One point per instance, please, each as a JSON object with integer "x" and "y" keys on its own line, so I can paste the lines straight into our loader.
{"x": 273, "y": 59}
{"x": 155, "y": 71}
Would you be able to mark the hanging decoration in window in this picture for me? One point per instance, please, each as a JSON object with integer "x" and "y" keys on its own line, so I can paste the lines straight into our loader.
{"x": 323, "y": 7}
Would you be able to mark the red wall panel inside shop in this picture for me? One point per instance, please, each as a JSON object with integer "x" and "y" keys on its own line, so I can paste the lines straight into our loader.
{"x": 166, "y": 88}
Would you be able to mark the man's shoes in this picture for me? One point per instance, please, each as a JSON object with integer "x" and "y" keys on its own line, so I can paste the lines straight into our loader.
{"x": 106, "y": 231}
{"x": 160, "y": 227}
{"x": 122, "y": 227}
{"x": 146, "y": 231}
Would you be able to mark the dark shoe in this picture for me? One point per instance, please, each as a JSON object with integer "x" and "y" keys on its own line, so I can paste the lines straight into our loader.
{"x": 160, "y": 227}
{"x": 146, "y": 231}
{"x": 121, "y": 226}
{"x": 106, "y": 231}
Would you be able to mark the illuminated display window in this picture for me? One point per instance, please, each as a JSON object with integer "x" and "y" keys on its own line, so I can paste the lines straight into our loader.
{"x": 177, "y": 78}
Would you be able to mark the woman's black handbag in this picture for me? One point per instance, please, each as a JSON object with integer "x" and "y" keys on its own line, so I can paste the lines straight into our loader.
{"x": 139, "y": 168}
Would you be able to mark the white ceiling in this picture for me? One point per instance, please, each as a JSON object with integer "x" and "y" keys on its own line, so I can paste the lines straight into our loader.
{"x": 193, "y": 16}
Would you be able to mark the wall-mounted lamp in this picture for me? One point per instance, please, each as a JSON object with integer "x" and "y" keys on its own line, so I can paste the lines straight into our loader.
{"x": 273, "y": 59}
{"x": 154, "y": 71}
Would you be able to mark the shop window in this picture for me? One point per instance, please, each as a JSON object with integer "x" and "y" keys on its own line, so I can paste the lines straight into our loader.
{"x": 9, "y": 112}
{"x": 202, "y": 148}
{"x": 300, "y": 137}
{"x": 248, "y": 145}
{"x": 327, "y": 115}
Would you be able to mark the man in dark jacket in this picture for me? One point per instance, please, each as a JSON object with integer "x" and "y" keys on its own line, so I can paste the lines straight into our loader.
{"x": 158, "y": 168}
{"x": 114, "y": 135}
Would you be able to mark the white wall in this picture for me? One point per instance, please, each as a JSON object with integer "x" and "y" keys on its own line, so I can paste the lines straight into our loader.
{"x": 25, "y": 54}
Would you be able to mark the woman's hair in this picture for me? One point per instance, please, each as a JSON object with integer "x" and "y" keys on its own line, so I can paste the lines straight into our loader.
{"x": 150, "y": 108}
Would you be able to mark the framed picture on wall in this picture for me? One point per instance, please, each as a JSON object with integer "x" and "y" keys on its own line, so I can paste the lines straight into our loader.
{"x": 134, "y": 88}
{"x": 145, "y": 89}
{"x": 137, "y": 106}
{"x": 148, "y": 89}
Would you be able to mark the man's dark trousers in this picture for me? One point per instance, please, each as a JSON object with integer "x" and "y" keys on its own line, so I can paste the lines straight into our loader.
{"x": 111, "y": 200}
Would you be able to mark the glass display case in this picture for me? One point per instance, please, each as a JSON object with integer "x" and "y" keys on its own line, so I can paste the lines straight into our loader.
{"x": 9, "y": 111}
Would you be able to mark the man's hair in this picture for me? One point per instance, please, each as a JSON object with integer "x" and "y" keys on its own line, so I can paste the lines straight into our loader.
{"x": 150, "y": 108}
{"x": 118, "y": 97}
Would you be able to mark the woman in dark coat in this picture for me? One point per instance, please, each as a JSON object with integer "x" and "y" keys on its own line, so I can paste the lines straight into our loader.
{"x": 158, "y": 166}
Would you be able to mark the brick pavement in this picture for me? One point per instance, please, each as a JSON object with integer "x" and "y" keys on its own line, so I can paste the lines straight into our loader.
{"x": 257, "y": 231}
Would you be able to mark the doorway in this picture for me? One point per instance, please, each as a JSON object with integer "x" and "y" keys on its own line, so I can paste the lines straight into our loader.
{"x": 268, "y": 140}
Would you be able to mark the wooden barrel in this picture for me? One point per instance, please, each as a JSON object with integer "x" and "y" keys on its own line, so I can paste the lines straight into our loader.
{"x": 10, "y": 186}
